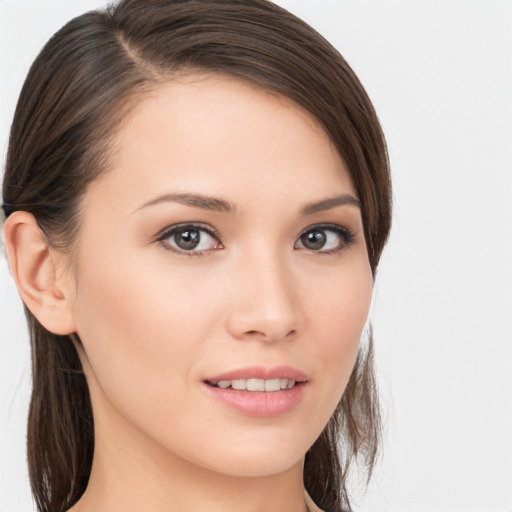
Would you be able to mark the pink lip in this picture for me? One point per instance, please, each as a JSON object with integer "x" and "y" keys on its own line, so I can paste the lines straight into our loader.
{"x": 263, "y": 404}
{"x": 260, "y": 372}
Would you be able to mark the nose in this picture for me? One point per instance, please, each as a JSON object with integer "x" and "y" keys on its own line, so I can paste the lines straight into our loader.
{"x": 265, "y": 302}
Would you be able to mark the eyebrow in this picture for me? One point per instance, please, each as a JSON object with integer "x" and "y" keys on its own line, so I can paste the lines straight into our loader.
{"x": 329, "y": 203}
{"x": 220, "y": 205}
{"x": 194, "y": 200}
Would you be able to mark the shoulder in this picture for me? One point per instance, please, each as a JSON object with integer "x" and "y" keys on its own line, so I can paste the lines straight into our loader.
{"x": 311, "y": 505}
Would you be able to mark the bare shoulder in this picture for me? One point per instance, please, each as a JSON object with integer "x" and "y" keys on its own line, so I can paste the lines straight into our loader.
{"x": 311, "y": 504}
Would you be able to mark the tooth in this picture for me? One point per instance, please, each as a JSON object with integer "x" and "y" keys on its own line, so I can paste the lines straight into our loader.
{"x": 273, "y": 385}
{"x": 239, "y": 384}
{"x": 255, "y": 385}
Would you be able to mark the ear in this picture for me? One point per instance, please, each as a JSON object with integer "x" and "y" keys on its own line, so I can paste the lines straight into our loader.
{"x": 39, "y": 272}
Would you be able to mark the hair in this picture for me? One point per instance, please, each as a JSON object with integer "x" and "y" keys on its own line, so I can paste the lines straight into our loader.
{"x": 76, "y": 94}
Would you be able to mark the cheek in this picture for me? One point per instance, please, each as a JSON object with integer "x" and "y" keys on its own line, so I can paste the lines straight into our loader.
{"x": 346, "y": 314}
{"x": 338, "y": 315}
{"x": 339, "y": 307}
{"x": 140, "y": 332}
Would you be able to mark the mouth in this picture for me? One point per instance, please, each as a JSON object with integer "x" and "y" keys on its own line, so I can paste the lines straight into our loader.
{"x": 259, "y": 391}
{"x": 269, "y": 385}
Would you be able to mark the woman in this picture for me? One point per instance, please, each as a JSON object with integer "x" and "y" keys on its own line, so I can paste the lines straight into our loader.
{"x": 197, "y": 196}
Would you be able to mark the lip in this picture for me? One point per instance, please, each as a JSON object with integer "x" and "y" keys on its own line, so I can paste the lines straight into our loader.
{"x": 262, "y": 404}
{"x": 261, "y": 372}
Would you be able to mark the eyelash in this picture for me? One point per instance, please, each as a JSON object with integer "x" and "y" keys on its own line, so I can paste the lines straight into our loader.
{"x": 172, "y": 230}
{"x": 347, "y": 238}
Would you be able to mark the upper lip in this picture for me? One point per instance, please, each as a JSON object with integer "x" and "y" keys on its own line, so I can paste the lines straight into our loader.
{"x": 261, "y": 372}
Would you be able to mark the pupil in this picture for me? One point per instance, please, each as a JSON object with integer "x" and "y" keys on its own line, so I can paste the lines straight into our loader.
{"x": 188, "y": 239}
{"x": 314, "y": 239}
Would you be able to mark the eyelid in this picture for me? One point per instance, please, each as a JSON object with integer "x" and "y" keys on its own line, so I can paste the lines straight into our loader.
{"x": 168, "y": 231}
{"x": 347, "y": 234}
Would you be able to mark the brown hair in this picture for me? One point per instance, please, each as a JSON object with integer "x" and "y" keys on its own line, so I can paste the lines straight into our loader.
{"x": 75, "y": 95}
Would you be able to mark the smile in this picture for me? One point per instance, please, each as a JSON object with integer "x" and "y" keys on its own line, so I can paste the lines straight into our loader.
{"x": 259, "y": 391}
{"x": 255, "y": 384}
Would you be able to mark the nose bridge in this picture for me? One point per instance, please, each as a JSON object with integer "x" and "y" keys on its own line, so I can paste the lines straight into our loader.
{"x": 265, "y": 304}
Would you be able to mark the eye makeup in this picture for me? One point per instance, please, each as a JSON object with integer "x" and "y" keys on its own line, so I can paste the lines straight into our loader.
{"x": 198, "y": 239}
{"x": 190, "y": 239}
{"x": 325, "y": 239}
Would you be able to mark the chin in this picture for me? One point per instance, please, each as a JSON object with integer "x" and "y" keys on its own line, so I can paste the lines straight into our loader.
{"x": 260, "y": 466}
{"x": 258, "y": 457}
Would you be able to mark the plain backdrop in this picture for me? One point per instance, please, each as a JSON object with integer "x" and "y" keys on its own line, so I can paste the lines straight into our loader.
{"x": 440, "y": 76}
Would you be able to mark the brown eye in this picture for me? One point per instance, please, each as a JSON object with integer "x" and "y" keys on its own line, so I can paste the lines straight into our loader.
{"x": 191, "y": 239}
{"x": 314, "y": 240}
{"x": 325, "y": 239}
{"x": 187, "y": 239}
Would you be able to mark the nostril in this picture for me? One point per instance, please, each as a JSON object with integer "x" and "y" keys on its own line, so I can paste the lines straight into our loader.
{"x": 269, "y": 335}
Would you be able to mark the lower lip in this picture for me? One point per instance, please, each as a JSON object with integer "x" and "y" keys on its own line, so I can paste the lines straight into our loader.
{"x": 263, "y": 404}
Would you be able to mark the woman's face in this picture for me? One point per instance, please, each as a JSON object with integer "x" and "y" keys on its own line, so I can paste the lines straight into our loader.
{"x": 224, "y": 250}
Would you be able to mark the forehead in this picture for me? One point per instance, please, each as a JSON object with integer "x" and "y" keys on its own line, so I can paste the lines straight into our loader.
{"x": 209, "y": 134}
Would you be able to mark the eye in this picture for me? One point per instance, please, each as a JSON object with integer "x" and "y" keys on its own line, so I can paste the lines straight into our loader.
{"x": 190, "y": 238}
{"x": 327, "y": 239}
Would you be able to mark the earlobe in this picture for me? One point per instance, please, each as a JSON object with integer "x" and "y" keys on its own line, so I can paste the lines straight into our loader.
{"x": 36, "y": 268}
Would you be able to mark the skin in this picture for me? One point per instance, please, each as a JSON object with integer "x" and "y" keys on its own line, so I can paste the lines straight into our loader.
{"x": 155, "y": 322}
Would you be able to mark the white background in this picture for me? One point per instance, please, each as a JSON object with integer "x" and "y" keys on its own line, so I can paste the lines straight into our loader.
{"x": 440, "y": 75}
